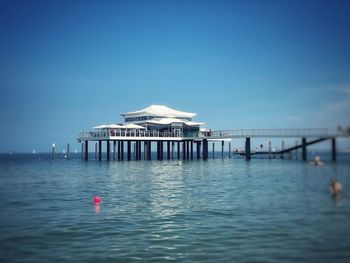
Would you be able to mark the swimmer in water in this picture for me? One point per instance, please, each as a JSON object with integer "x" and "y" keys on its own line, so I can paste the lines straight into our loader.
{"x": 179, "y": 163}
{"x": 317, "y": 161}
{"x": 335, "y": 187}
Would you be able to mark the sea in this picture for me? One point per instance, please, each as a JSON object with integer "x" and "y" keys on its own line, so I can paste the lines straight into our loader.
{"x": 215, "y": 210}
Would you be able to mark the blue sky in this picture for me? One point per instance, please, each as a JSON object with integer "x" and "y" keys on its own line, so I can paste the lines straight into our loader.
{"x": 69, "y": 65}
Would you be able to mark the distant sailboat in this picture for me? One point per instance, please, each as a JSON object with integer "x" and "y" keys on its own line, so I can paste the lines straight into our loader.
{"x": 34, "y": 152}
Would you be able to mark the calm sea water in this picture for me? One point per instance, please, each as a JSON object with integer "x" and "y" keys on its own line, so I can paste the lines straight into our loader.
{"x": 219, "y": 210}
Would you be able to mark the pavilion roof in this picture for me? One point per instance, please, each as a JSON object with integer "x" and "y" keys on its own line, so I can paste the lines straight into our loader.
{"x": 159, "y": 110}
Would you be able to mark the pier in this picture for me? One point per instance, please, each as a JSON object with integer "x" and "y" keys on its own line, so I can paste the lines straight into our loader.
{"x": 188, "y": 144}
{"x": 164, "y": 129}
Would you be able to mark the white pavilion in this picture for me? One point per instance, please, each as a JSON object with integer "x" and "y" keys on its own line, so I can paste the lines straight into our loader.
{"x": 163, "y": 119}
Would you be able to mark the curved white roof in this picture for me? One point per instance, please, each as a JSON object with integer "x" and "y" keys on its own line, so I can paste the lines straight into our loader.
{"x": 159, "y": 110}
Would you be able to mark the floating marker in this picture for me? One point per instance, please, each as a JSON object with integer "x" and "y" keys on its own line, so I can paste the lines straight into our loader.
{"x": 97, "y": 200}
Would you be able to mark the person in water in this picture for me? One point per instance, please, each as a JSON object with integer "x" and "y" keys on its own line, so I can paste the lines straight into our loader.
{"x": 335, "y": 187}
{"x": 317, "y": 161}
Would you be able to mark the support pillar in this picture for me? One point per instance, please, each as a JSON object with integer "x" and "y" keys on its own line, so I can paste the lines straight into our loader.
{"x": 205, "y": 149}
{"x": 149, "y": 150}
{"x": 229, "y": 150}
{"x": 122, "y": 150}
{"x": 114, "y": 150}
{"x": 53, "y": 151}
{"x": 86, "y": 150}
{"x": 303, "y": 145}
{"x": 168, "y": 150}
{"x": 213, "y": 149}
{"x": 148, "y": 145}
{"x": 222, "y": 149}
{"x": 247, "y": 149}
{"x": 140, "y": 155}
{"x": 334, "y": 150}
{"x": 118, "y": 150}
{"x": 99, "y": 150}
{"x": 187, "y": 150}
{"x": 129, "y": 151}
{"x": 191, "y": 150}
{"x": 184, "y": 150}
{"x": 198, "y": 150}
{"x": 95, "y": 150}
{"x": 108, "y": 150}
{"x": 172, "y": 150}
{"x": 68, "y": 151}
{"x": 159, "y": 149}
{"x": 178, "y": 150}
{"x": 135, "y": 151}
{"x": 139, "y": 150}
{"x": 82, "y": 151}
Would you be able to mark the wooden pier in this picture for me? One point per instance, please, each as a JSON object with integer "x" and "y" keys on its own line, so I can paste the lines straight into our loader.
{"x": 142, "y": 139}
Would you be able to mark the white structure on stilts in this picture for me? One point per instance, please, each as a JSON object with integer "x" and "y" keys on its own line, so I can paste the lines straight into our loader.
{"x": 163, "y": 119}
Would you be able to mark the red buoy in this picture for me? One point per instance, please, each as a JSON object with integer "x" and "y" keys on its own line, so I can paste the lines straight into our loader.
{"x": 97, "y": 200}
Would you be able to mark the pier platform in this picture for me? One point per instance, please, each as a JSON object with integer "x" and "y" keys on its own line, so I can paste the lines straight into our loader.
{"x": 185, "y": 141}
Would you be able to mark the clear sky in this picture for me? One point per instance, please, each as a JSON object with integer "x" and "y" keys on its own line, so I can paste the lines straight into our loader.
{"x": 69, "y": 65}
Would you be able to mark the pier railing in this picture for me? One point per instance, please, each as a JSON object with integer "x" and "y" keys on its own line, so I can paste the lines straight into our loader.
{"x": 312, "y": 132}
{"x": 127, "y": 133}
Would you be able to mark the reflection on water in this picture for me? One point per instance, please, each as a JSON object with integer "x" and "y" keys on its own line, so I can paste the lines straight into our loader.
{"x": 97, "y": 208}
{"x": 165, "y": 192}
